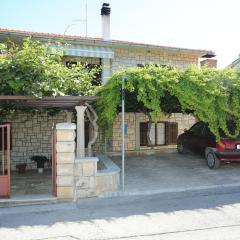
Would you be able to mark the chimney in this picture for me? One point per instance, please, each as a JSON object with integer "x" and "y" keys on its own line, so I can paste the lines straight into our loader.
{"x": 211, "y": 63}
{"x": 105, "y": 12}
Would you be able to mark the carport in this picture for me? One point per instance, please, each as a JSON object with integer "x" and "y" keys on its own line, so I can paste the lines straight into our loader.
{"x": 26, "y": 135}
{"x": 164, "y": 172}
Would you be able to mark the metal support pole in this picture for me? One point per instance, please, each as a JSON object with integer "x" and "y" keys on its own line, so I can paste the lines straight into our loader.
{"x": 123, "y": 134}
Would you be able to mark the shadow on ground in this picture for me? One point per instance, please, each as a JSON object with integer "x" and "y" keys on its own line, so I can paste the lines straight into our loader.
{"x": 164, "y": 170}
{"x": 112, "y": 208}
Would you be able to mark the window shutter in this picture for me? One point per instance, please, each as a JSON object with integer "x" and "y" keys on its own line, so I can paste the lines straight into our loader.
{"x": 171, "y": 132}
{"x": 143, "y": 133}
{"x": 160, "y": 133}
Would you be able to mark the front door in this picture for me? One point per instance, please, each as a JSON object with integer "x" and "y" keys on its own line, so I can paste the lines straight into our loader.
{"x": 5, "y": 160}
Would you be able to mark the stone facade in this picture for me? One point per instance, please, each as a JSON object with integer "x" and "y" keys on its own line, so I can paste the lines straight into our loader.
{"x": 133, "y": 121}
{"x": 130, "y": 57}
{"x": 31, "y": 135}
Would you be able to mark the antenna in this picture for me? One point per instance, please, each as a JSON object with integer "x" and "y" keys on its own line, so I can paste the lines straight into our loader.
{"x": 85, "y": 19}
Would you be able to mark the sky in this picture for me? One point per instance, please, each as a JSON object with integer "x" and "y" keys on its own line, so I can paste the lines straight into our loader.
{"x": 200, "y": 24}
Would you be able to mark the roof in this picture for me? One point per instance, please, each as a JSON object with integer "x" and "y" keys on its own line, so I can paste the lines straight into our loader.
{"x": 60, "y": 102}
{"x": 98, "y": 41}
{"x": 235, "y": 64}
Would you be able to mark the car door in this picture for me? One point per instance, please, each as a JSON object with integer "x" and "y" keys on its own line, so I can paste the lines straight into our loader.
{"x": 196, "y": 138}
{"x": 210, "y": 139}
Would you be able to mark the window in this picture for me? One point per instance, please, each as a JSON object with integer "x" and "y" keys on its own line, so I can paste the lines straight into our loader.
{"x": 161, "y": 133}
{"x": 97, "y": 78}
{"x": 197, "y": 129}
{"x": 143, "y": 133}
{"x": 171, "y": 133}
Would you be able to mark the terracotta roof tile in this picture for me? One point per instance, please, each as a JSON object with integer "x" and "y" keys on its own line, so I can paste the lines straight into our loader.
{"x": 80, "y": 38}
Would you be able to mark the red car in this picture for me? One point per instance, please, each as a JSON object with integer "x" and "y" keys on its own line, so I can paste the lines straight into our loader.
{"x": 199, "y": 139}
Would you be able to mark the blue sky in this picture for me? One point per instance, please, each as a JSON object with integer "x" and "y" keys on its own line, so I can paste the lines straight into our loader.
{"x": 202, "y": 24}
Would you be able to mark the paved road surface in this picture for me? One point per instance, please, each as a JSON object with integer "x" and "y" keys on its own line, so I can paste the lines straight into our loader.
{"x": 201, "y": 215}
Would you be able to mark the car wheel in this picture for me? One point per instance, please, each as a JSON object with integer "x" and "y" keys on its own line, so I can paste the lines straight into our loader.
{"x": 180, "y": 147}
{"x": 212, "y": 161}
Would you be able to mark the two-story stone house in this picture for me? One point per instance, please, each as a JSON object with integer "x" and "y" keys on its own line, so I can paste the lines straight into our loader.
{"x": 110, "y": 55}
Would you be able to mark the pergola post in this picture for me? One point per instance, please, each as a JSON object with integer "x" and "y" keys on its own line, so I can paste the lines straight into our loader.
{"x": 80, "y": 131}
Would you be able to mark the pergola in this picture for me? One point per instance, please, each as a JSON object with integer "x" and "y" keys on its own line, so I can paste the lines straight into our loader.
{"x": 58, "y": 102}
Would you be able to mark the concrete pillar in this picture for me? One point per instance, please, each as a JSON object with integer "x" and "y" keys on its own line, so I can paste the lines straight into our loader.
{"x": 106, "y": 70}
{"x": 65, "y": 160}
{"x": 80, "y": 131}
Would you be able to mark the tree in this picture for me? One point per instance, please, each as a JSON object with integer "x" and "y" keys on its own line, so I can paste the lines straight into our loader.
{"x": 211, "y": 95}
{"x": 35, "y": 69}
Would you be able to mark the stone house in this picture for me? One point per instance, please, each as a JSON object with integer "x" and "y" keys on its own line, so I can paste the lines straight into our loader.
{"x": 111, "y": 56}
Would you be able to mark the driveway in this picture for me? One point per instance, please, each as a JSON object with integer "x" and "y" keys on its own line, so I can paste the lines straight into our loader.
{"x": 172, "y": 172}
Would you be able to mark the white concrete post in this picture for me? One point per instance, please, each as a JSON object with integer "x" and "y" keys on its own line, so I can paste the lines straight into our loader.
{"x": 80, "y": 131}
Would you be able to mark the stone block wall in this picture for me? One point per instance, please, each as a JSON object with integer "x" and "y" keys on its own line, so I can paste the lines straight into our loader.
{"x": 77, "y": 177}
{"x": 65, "y": 148}
{"x": 107, "y": 183}
{"x": 31, "y": 135}
{"x": 133, "y": 122}
{"x": 130, "y": 57}
{"x": 108, "y": 179}
{"x": 130, "y": 138}
{"x": 85, "y": 177}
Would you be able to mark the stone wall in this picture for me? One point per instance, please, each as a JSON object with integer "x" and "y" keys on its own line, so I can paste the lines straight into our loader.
{"x": 108, "y": 179}
{"x": 31, "y": 135}
{"x": 85, "y": 177}
{"x": 133, "y": 122}
{"x": 65, "y": 148}
{"x": 129, "y": 57}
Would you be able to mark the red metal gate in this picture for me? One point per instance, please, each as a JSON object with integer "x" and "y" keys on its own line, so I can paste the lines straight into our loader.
{"x": 54, "y": 160}
{"x": 5, "y": 160}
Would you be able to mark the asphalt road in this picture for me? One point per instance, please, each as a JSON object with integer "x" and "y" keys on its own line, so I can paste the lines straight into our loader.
{"x": 199, "y": 215}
